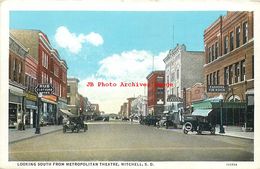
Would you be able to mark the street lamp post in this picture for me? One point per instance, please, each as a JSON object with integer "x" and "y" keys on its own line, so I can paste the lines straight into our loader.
{"x": 37, "y": 128}
{"x": 221, "y": 129}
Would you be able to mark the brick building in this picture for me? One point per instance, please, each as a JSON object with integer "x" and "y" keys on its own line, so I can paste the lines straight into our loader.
{"x": 51, "y": 69}
{"x": 229, "y": 60}
{"x": 17, "y": 54}
{"x": 156, "y": 94}
{"x": 195, "y": 93}
{"x": 31, "y": 108}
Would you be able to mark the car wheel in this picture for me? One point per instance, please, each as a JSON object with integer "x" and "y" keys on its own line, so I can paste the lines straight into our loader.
{"x": 64, "y": 129}
{"x": 185, "y": 131}
{"x": 187, "y": 126}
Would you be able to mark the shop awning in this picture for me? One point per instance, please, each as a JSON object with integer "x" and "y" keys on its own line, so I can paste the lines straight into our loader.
{"x": 67, "y": 112}
{"x": 201, "y": 112}
{"x": 207, "y": 104}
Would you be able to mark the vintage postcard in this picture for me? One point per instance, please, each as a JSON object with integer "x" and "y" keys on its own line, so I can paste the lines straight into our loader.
{"x": 120, "y": 84}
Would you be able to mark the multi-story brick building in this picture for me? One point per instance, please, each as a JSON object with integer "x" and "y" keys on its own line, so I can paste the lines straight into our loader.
{"x": 51, "y": 69}
{"x": 229, "y": 60}
{"x": 156, "y": 94}
{"x": 182, "y": 69}
{"x": 195, "y": 93}
{"x": 17, "y": 55}
{"x": 31, "y": 65}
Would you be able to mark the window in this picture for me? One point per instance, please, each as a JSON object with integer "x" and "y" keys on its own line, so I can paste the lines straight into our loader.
{"x": 216, "y": 50}
{"x": 210, "y": 79}
{"x": 226, "y": 45}
{"x": 214, "y": 78}
{"x": 209, "y": 59}
{"x": 177, "y": 91}
{"x": 178, "y": 72}
{"x": 237, "y": 72}
{"x": 68, "y": 89}
{"x": 68, "y": 100}
{"x": 245, "y": 32}
{"x": 218, "y": 77}
{"x": 237, "y": 37}
{"x": 226, "y": 76}
{"x": 231, "y": 74}
{"x": 207, "y": 80}
{"x": 213, "y": 52}
{"x": 231, "y": 41}
{"x": 243, "y": 70}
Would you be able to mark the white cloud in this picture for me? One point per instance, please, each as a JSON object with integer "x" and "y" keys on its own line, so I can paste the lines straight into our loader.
{"x": 94, "y": 38}
{"x": 129, "y": 66}
{"x": 73, "y": 42}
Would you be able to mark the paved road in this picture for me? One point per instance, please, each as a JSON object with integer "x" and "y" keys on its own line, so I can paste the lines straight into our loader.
{"x": 123, "y": 141}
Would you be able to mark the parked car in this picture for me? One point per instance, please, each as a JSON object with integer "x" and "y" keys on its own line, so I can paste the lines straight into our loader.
{"x": 106, "y": 118}
{"x": 198, "y": 124}
{"x": 150, "y": 120}
{"x": 75, "y": 123}
{"x": 125, "y": 119}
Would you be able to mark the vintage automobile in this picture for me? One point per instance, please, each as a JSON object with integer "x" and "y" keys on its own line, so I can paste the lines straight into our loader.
{"x": 75, "y": 123}
{"x": 150, "y": 120}
{"x": 198, "y": 124}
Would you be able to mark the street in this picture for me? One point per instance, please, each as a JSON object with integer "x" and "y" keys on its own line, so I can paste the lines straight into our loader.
{"x": 123, "y": 141}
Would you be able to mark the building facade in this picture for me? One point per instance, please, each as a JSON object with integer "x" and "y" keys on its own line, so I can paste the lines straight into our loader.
{"x": 139, "y": 106}
{"x": 51, "y": 69}
{"x": 182, "y": 69}
{"x": 229, "y": 61}
{"x": 156, "y": 94}
{"x": 195, "y": 93}
{"x": 73, "y": 96}
{"x": 17, "y": 88}
{"x": 31, "y": 107}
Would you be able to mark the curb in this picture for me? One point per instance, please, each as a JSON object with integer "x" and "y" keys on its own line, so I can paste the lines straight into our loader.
{"x": 235, "y": 136}
{"x": 36, "y": 135}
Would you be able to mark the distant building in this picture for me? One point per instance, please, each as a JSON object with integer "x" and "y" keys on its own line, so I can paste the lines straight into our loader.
{"x": 129, "y": 107}
{"x": 139, "y": 106}
{"x": 156, "y": 94}
{"x": 73, "y": 97}
{"x": 182, "y": 69}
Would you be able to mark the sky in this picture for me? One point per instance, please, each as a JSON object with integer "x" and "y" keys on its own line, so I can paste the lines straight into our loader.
{"x": 116, "y": 46}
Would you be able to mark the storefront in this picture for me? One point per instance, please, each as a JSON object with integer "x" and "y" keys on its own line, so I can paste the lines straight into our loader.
{"x": 30, "y": 110}
{"x": 234, "y": 113}
{"x": 48, "y": 110}
{"x": 16, "y": 105}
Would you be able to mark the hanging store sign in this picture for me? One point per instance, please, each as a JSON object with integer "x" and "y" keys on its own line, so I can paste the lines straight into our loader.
{"x": 217, "y": 88}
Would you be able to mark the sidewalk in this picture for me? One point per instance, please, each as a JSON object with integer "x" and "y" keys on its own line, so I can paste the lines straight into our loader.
{"x": 235, "y": 132}
{"x": 17, "y": 135}
{"x": 229, "y": 131}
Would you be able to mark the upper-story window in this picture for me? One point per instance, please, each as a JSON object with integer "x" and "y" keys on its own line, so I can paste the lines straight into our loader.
{"x": 231, "y": 74}
{"x": 237, "y": 72}
{"x": 238, "y": 37}
{"x": 231, "y": 41}
{"x": 178, "y": 74}
{"x": 243, "y": 70}
{"x": 226, "y": 76}
{"x": 209, "y": 55}
{"x": 212, "y": 52}
{"x": 225, "y": 44}
{"x": 245, "y": 32}
{"x": 56, "y": 70}
{"x": 216, "y": 50}
{"x": 44, "y": 60}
